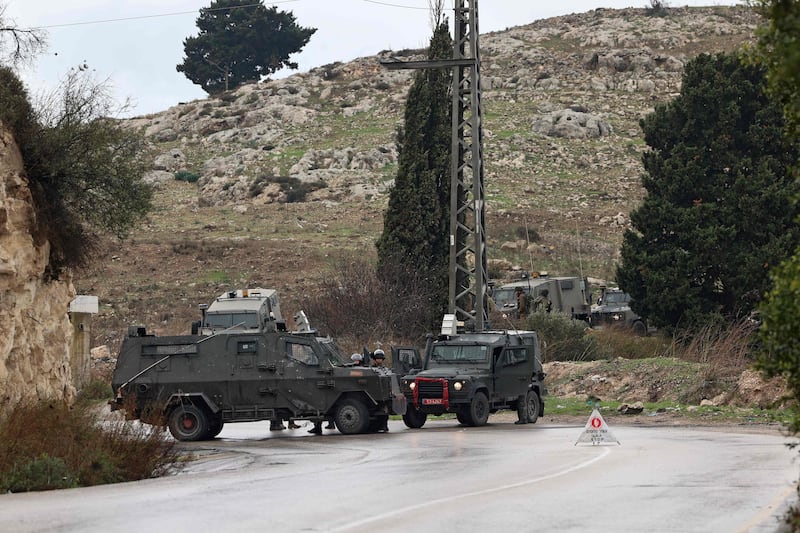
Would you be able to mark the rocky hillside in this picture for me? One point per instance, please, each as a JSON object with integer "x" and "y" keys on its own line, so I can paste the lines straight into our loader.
{"x": 562, "y": 101}
{"x": 35, "y": 331}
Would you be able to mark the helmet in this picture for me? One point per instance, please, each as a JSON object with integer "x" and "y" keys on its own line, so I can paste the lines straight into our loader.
{"x": 378, "y": 354}
{"x": 356, "y": 357}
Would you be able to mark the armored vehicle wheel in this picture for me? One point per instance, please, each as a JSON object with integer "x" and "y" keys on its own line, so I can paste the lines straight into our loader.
{"x": 413, "y": 418}
{"x": 478, "y": 412}
{"x": 639, "y": 329}
{"x": 462, "y": 418}
{"x": 534, "y": 405}
{"x": 188, "y": 423}
{"x": 351, "y": 417}
{"x": 214, "y": 426}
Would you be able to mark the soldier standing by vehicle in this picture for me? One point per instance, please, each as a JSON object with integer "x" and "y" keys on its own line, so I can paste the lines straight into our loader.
{"x": 522, "y": 410}
{"x": 542, "y": 302}
{"x": 379, "y": 357}
{"x": 522, "y": 302}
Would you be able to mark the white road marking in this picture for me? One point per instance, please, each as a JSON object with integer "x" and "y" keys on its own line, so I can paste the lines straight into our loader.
{"x": 448, "y": 499}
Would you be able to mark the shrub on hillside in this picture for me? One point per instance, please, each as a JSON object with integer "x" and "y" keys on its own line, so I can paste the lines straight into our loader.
{"x": 185, "y": 175}
{"x": 563, "y": 339}
{"x": 84, "y": 169}
{"x": 357, "y": 305}
{"x": 50, "y": 446}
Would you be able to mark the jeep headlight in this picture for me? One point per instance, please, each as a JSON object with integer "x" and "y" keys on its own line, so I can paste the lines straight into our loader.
{"x": 457, "y": 386}
{"x": 412, "y": 385}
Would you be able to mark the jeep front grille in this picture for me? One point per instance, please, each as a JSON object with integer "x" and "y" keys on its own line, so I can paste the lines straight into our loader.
{"x": 431, "y": 389}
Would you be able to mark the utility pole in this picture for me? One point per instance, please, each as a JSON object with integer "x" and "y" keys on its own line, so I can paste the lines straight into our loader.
{"x": 468, "y": 290}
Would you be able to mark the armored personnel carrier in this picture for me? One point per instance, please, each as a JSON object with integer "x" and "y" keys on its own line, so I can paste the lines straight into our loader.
{"x": 473, "y": 375}
{"x": 240, "y": 364}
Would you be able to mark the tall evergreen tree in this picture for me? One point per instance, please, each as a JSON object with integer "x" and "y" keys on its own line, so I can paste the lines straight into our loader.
{"x": 718, "y": 211}
{"x": 779, "y": 49}
{"x": 240, "y": 41}
{"x": 414, "y": 245}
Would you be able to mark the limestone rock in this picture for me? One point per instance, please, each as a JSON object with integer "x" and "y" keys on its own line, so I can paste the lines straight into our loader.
{"x": 35, "y": 332}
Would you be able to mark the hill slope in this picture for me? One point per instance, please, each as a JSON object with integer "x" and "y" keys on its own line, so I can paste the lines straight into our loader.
{"x": 562, "y": 100}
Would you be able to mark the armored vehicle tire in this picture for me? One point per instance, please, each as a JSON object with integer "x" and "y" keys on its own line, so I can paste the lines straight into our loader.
{"x": 351, "y": 417}
{"x": 188, "y": 423}
{"x": 462, "y": 418}
{"x": 478, "y": 412}
{"x": 214, "y": 426}
{"x": 413, "y": 418}
{"x": 534, "y": 406}
{"x": 639, "y": 328}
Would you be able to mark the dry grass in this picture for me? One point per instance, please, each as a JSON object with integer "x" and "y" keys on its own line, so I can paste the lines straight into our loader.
{"x": 48, "y": 445}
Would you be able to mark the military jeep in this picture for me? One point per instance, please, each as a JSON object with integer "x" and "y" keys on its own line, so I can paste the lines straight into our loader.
{"x": 473, "y": 375}
{"x": 240, "y": 365}
{"x": 613, "y": 309}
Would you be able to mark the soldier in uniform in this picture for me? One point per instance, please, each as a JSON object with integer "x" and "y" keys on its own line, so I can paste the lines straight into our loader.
{"x": 379, "y": 357}
{"x": 542, "y": 302}
{"x": 522, "y": 410}
{"x": 522, "y": 302}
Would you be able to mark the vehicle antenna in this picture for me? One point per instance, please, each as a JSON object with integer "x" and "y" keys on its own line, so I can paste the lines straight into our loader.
{"x": 584, "y": 283}
{"x": 580, "y": 259}
{"x": 528, "y": 243}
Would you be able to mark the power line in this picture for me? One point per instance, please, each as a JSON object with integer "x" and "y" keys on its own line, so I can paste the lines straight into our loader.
{"x": 140, "y": 17}
{"x": 395, "y": 5}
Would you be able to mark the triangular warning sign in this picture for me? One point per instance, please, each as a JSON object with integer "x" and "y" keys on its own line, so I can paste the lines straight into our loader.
{"x": 596, "y": 430}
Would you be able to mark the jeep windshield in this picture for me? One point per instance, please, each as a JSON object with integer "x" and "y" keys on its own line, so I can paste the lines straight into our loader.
{"x": 465, "y": 354}
{"x": 616, "y": 298}
{"x": 504, "y": 298}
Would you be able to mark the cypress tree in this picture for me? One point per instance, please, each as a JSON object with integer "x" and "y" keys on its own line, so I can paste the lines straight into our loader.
{"x": 414, "y": 245}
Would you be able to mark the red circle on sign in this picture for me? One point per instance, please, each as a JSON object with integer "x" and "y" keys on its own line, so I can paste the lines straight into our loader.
{"x": 596, "y": 423}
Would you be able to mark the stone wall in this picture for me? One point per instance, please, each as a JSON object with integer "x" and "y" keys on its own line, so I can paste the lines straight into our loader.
{"x": 35, "y": 331}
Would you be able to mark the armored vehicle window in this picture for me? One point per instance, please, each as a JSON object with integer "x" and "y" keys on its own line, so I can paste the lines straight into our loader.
{"x": 566, "y": 284}
{"x": 459, "y": 354}
{"x": 302, "y": 352}
{"x": 246, "y": 347}
{"x": 332, "y": 352}
{"x": 169, "y": 349}
{"x": 227, "y": 320}
{"x": 515, "y": 356}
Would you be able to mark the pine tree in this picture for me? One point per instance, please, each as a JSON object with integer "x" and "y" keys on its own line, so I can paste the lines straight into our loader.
{"x": 240, "y": 41}
{"x": 718, "y": 212}
{"x": 414, "y": 245}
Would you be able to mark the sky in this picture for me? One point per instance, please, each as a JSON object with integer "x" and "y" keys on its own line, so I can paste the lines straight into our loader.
{"x": 135, "y": 45}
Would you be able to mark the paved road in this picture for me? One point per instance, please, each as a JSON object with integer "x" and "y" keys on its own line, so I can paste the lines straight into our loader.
{"x": 444, "y": 477}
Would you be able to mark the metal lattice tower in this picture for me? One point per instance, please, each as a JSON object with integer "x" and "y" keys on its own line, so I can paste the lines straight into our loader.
{"x": 468, "y": 296}
{"x": 468, "y": 278}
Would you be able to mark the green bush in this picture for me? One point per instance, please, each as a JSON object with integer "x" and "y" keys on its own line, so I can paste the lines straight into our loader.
{"x": 185, "y": 175}
{"x": 564, "y": 339}
{"x": 51, "y": 446}
{"x": 40, "y": 473}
